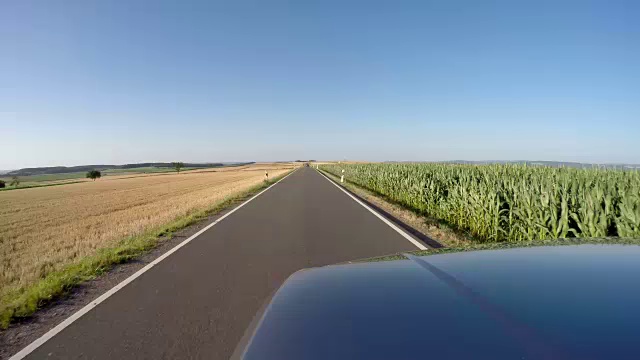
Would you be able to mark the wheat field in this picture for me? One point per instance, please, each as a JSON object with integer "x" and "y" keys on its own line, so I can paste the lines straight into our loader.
{"x": 43, "y": 229}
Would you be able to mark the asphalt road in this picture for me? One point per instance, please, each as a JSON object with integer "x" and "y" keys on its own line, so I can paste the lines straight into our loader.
{"x": 197, "y": 303}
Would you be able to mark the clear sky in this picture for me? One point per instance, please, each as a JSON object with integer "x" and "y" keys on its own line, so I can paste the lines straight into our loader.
{"x": 86, "y": 81}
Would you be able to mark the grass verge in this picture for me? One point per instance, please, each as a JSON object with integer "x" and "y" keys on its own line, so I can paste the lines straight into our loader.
{"x": 23, "y": 302}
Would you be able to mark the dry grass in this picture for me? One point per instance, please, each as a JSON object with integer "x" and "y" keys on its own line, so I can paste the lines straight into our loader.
{"x": 45, "y": 229}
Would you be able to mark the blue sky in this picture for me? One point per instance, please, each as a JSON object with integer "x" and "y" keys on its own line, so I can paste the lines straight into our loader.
{"x": 129, "y": 81}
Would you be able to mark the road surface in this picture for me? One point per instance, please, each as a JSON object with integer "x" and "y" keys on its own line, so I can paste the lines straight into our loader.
{"x": 198, "y": 302}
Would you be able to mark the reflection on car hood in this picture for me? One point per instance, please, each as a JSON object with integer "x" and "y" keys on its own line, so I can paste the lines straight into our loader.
{"x": 527, "y": 303}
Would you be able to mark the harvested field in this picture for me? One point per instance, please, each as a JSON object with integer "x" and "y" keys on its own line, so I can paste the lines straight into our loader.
{"x": 44, "y": 229}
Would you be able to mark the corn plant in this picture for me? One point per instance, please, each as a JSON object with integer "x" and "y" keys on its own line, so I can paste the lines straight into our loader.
{"x": 510, "y": 202}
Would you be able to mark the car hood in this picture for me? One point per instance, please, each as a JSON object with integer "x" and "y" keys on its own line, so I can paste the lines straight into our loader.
{"x": 524, "y": 303}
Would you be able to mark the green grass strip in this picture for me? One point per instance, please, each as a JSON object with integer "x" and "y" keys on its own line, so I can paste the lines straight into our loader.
{"x": 23, "y": 302}
{"x": 37, "y": 186}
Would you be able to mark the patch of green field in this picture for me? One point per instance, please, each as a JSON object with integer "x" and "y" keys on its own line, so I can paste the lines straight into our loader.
{"x": 38, "y": 180}
{"x": 34, "y": 179}
{"x": 142, "y": 170}
{"x": 35, "y": 185}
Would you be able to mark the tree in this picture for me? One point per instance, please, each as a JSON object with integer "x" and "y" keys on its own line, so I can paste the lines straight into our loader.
{"x": 2, "y": 184}
{"x": 177, "y": 166}
{"x": 93, "y": 175}
{"x": 15, "y": 181}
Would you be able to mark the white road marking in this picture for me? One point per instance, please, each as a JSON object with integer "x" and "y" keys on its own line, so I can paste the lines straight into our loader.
{"x": 385, "y": 220}
{"x": 53, "y": 332}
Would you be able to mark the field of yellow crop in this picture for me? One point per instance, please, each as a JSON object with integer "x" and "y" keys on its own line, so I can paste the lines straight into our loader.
{"x": 44, "y": 229}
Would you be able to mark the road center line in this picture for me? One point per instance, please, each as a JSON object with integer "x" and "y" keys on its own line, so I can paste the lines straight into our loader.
{"x": 68, "y": 321}
{"x": 385, "y": 220}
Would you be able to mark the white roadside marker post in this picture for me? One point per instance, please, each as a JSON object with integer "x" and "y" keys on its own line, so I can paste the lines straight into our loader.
{"x": 342, "y": 177}
{"x": 266, "y": 176}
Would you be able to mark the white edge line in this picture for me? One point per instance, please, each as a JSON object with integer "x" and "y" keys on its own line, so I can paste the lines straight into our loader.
{"x": 385, "y": 220}
{"x": 68, "y": 321}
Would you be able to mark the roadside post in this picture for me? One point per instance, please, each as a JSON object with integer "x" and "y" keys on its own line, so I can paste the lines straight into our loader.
{"x": 342, "y": 177}
{"x": 266, "y": 176}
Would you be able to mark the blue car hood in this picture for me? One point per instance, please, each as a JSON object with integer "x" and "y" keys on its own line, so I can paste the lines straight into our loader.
{"x": 557, "y": 302}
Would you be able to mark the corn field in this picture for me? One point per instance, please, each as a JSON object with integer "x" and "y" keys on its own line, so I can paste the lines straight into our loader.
{"x": 510, "y": 202}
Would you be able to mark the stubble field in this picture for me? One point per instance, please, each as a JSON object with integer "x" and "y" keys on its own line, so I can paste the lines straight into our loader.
{"x": 42, "y": 230}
